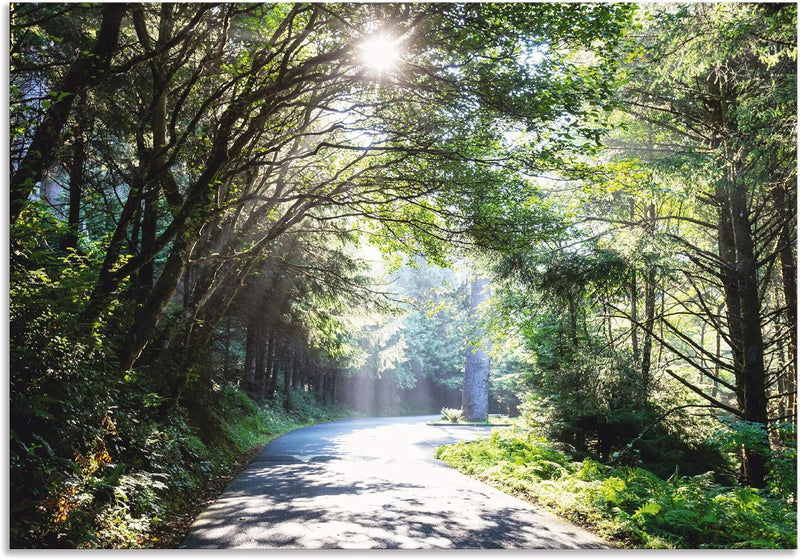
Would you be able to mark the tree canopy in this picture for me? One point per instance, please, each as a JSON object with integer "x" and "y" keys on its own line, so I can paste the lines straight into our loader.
{"x": 227, "y": 211}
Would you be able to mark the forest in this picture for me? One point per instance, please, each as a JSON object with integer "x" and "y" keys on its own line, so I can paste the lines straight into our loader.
{"x": 227, "y": 220}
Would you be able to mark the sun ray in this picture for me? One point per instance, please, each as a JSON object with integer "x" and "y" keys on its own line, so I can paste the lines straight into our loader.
{"x": 380, "y": 53}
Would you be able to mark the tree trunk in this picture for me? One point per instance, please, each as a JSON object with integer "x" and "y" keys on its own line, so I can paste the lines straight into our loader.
{"x": 573, "y": 326}
{"x": 272, "y": 369}
{"x": 145, "y": 275}
{"x": 739, "y": 274}
{"x": 475, "y": 389}
{"x": 107, "y": 280}
{"x": 287, "y": 374}
{"x": 634, "y": 295}
{"x": 150, "y": 312}
{"x": 754, "y": 392}
{"x": 297, "y": 373}
{"x": 649, "y": 320}
{"x": 717, "y": 355}
{"x": 251, "y": 341}
{"x": 76, "y": 179}
{"x": 259, "y": 380}
{"x": 788, "y": 261}
{"x": 649, "y": 315}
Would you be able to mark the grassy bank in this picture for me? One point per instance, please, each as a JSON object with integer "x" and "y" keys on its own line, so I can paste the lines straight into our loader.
{"x": 628, "y": 505}
{"x": 147, "y": 479}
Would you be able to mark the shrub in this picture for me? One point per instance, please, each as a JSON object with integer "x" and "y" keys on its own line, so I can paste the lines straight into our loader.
{"x": 137, "y": 471}
{"x": 452, "y": 415}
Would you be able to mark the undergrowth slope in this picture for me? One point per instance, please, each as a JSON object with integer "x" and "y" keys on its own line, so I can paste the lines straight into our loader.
{"x": 629, "y": 505}
{"x": 145, "y": 479}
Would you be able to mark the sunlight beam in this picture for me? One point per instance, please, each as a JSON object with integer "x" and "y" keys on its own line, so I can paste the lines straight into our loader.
{"x": 380, "y": 53}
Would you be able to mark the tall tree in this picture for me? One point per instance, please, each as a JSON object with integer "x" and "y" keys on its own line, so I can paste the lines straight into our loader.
{"x": 475, "y": 388}
{"x": 717, "y": 99}
{"x": 87, "y": 69}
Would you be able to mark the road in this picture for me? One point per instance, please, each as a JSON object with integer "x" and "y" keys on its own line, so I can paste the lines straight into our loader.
{"x": 372, "y": 484}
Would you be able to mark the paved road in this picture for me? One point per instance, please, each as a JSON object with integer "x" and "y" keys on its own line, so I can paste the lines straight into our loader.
{"x": 372, "y": 484}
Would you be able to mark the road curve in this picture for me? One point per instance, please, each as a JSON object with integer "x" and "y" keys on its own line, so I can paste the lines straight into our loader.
{"x": 372, "y": 484}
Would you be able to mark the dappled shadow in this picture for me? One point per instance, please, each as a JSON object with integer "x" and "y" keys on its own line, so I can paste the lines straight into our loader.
{"x": 369, "y": 504}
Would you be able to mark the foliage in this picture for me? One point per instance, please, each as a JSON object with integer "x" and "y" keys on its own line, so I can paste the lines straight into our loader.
{"x": 663, "y": 277}
{"x": 714, "y": 93}
{"x": 122, "y": 496}
{"x": 781, "y": 454}
{"x": 414, "y": 349}
{"x": 628, "y": 504}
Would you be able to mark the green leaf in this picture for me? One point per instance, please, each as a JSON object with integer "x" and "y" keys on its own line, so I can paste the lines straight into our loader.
{"x": 652, "y": 508}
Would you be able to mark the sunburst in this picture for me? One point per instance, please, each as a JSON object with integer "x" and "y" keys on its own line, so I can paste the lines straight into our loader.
{"x": 380, "y": 53}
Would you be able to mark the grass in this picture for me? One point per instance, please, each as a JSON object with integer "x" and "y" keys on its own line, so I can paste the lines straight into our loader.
{"x": 144, "y": 483}
{"x": 492, "y": 422}
{"x": 627, "y": 505}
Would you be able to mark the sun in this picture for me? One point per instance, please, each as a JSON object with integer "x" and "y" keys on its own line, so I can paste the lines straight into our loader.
{"x": 380, "y": 53}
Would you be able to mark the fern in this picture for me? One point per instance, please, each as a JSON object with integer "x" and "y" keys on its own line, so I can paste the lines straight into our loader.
{"x": 452, "y": 415}
{"x": 629, "y": 504}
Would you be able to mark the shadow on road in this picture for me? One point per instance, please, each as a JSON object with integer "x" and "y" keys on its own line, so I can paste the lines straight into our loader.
{"x": 331, "y": 505}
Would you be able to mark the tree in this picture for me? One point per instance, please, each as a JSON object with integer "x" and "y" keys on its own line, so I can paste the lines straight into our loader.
{"x": 204, "y": 160}
{"x": 412, "y": 345}
{"x": 716, "y": 101}
{"x": 475, "y": 389}
{"x": 85, "y": 70}
{"x": 664, "y": 238}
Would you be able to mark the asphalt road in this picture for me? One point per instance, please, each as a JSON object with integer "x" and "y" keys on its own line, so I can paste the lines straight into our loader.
{"x": 372, "y": 484}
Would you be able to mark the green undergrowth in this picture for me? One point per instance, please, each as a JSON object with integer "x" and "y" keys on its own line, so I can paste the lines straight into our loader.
{"x": 143, "y": 474}
{"x": 628, "y": 505}
{"x": 255, "y": 425}
{"x": 454, "y": 416}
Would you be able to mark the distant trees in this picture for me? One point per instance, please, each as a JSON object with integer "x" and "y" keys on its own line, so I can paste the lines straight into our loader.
{"x": 411, "y": 354}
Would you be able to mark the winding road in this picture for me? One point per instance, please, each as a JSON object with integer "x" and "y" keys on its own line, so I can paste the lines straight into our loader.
{"x": 372, "y": 484}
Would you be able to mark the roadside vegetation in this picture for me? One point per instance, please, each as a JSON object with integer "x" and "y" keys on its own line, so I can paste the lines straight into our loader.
{"x": 163, "y": 475}
{"x": 630, "y": 505}
{"x": 454, "y": 416}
